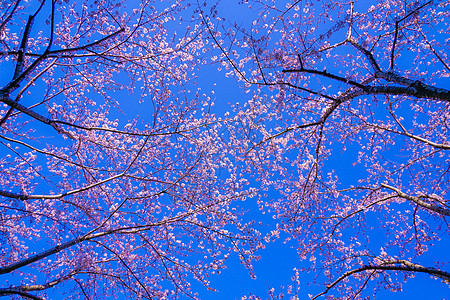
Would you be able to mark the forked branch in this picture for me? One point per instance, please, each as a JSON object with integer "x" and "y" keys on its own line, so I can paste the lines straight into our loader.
{"x": 406, "y": 87}
{"x": 396, "y": 30}
{"x": 397, "y": 265}
{"x": 12, "y": 291}
{"x": 418, "y": 200}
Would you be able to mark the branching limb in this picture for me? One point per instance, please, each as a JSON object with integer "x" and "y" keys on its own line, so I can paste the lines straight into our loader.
{"x": 211, "y": 33}
{"x": 434, "y": 51}
{"x": 349, "y": 32}
{"x": 398, "y": 265}
{"x": 326, "y": 74}
{"x": 409, "y": 87}
{"x": 30, "y": 83}
{"x": 418, "y": 200}
{"x": 23, "y": 44}
{"x": 38, "y": 287}
{"x": 91, "y": 236}
{"x": 282, "y": 133}
{"x": 11, "y": 291}
{"x": 21, "y": 55}
{"x": 126, "y": 266}
{"x": 5, "y": 99}
{"x": 8, "y": 18}
{"x": 302, "y": 89}
{"x": 47, "y": 153}
{"x": 41, "y": 255}
{"x": 368, "y": 54}
{"x": 19, "y": 74}
{"x": 320, "y": 121}
{"x": 69, "y": 51}
{"x": 76, "y": 191}
{"x": 396, "y": 31}
{"x": 406, "y": 133}
{"x": 336, "y": 226}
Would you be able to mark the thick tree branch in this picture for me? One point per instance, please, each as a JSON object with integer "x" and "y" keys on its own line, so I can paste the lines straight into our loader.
{"x": 418, "y": 200}
{"x": 13, "y": 195}
{"x": 41, "y": 255}
{"x": 37, "y": 287}
{"x": 326, "y": 74}
{"x": 92, "y": 236}
{"x": 8, "y": 18}
{"x": 367, "y": 53}
{"x": 419, "y": 91}
{"x": 5, "y": 99}
{"x": 398, "y": 265}
{"x": 413, "y": 88}
{"x": 396, "y": 31}
{"x": 12, "y": 291}
{"x": 19, "y": 74}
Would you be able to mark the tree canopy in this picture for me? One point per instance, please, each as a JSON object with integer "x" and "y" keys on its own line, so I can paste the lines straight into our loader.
{"x": 122, "y": 175}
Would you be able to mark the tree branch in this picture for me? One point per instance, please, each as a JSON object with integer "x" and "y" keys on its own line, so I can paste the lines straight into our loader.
{"x": 38, "y": 287}
{"x": 11, "y": 291}
{"x": 390, "y": 266}
{"x": 5, "y": 99}
{"x": 419, "y": 201}
{"x": 367, "y": 53}
{"x": 19, "y": 95}
{"x": 18, "y": 72}
{"x": 9, "y": 16}
{"x": 396, "y": 31}
{"x": 90, "y": 236}
{"x": 127, "y": 267}
{"x": 414, "y": 88}
{"x": 326, "y": 74}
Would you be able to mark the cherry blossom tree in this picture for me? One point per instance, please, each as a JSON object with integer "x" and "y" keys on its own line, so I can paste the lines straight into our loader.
{"x": 349, "y": 122}
{"x": 95, "y": 203}
{"x": 117, "y": 180}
